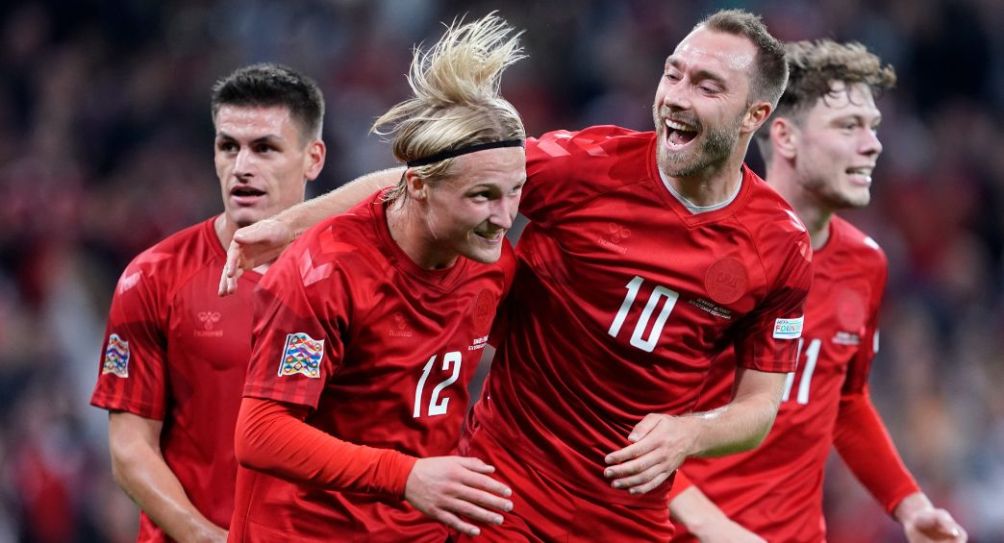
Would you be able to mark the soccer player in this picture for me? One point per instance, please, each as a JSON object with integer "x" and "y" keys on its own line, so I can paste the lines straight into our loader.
{"x": 820, "y": 148}
{"x": 175, "y": 355}
{"x": 648, "y": 253}
{"x": 369, "y": 328}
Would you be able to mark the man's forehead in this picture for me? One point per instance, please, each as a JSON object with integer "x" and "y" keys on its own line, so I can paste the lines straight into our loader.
{"x": 705, "y": 46}
{"x": 231, "y": 118}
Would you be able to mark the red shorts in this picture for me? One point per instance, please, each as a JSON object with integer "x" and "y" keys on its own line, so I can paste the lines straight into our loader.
{"x": 546, "y": 510}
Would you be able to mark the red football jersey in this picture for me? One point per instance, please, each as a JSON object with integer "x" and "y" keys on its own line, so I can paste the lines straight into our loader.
{"x": 382, "y": 351}
{"x": 776, "y": 490}
{"x": 175, "y": 351}
{"x": 622, "y": 298}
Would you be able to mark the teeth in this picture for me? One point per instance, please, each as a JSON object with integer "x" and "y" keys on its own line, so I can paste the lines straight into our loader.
{"x": 675, "y": 125}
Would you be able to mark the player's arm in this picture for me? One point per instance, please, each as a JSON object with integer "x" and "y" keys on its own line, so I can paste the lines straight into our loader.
{"x": 660, "y": 442}
{"x": 262, "y": 242}
{"x": 272, "y": 437}
{"x": 864, "y": 444}
{"x": 139, "y": 468}
{"x": 862, "y": 440}
{"x": 709, "y": 524}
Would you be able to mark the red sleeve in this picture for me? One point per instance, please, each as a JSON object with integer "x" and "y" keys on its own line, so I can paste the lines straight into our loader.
{"x": 552, "y": 163}
{"x": 271, "y": 437}
{"x": 131, "y": 373}
{"x": 864, "y": 444}
{"x": 767, "y": 339}
{"x": 301, "y": 318}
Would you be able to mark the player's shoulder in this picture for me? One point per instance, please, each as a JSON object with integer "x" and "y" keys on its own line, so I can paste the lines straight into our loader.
{"x": 855, "y": 244}
{"x": 767, "y": 214}
{"x": 174, "y": 258}
{"x": 349, "y": 240}
{"x": 594, "y": 141}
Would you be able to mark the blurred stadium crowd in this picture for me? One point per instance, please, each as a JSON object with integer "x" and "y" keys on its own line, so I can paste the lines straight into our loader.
{"x": 106, "y": 147}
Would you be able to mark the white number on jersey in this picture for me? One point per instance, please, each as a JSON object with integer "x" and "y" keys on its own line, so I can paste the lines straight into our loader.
{"x": 437, "y": 405}
{"x": 658, "y": 293}
{"x": 811, "y": 357}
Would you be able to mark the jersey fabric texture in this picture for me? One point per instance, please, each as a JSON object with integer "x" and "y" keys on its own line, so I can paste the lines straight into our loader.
{"x": 176, "y": 352}
{"x": 381, "y": 351}
{"x": 622, "y": 299}
{"x": 776, "y": 490}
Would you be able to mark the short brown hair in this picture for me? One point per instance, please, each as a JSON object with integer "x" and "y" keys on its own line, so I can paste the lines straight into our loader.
{"x": 814, "y": 66}
{"x": 771, "y": 73}
{"x": 273, "y": 85}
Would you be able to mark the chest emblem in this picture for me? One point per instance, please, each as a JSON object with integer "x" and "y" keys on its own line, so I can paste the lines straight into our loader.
{"x": 726, "y": 280}
{"x": 207, "y": 324}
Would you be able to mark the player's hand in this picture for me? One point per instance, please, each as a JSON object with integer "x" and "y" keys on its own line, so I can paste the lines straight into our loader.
{"x": 660, "y": 443}
{"x": 251, "y": 247}
{"x": 933, "y": 524}
{"x": 456, "y": 490}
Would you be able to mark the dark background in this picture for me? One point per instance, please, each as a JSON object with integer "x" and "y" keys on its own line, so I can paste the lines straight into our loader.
{"x": 106, "y": 147}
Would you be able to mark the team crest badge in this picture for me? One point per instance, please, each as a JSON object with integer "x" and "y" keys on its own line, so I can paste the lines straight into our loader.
{"x": 302, "y": 355}
{"x": 116, "y": 357}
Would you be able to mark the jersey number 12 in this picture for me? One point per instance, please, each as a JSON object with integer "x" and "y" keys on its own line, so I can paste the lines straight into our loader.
{"x": 437, "y": 405}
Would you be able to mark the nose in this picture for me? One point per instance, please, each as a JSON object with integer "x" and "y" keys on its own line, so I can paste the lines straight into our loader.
{"x": 243, "y": 163}
{"x": 504, "y": 212}
{"x": 674, "y": 95}
{"x": 870, "y": 144}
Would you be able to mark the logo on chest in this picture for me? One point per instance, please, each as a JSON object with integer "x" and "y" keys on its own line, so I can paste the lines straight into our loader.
{"x": 726, "y": 280}
{"x": 484, "y": 309}
{"x": 399, "y": 326}
{"x": 613, "y": 237}
{"x": 208, "y": 321}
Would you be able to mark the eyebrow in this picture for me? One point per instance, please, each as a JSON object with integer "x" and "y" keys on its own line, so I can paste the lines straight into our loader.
{"x": 698, "y": 74}
{"x": 267, "y": 138}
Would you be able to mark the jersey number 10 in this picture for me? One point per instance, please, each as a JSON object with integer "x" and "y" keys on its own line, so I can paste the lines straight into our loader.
{"x": 660, "y": 293}
{"x": 437, "y": 405}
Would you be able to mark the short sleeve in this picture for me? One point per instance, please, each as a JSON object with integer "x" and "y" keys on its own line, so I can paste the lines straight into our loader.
{"x": 300, "y": 318}
{"x": 132, "y": 367}
{"x": 768, "y": 337}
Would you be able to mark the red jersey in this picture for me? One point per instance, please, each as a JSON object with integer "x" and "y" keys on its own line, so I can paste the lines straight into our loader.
{"x": 381, "y": 350}
{"x": 776, "y": 490}
{"x": 174, "y": 351}
{"x": 622, "y": 298}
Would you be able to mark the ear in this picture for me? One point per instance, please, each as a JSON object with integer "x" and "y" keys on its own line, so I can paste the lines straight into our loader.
{"x": 416, "y": 186}
{"x": 784, "y": 137}
{"x": 314, "y": 157}
{"x": 755, "y": 116}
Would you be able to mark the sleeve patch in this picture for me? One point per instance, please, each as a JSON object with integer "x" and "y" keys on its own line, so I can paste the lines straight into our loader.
{"x": 302, "y": 354}
{"x": 116, "y": 360}
{"x": 788, "y": 328}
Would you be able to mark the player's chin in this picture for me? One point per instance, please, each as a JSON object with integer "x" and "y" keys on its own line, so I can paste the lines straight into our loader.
{"x": 479, "y": 249}
{"x": 246, "y": 216}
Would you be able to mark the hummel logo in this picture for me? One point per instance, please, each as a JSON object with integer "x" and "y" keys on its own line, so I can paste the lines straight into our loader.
{"x": 209, "y": 320}
{"x": 615, "y": 235}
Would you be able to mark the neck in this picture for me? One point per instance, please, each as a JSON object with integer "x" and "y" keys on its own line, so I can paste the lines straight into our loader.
{"x": 813, "y": 214}
{"x": 409, "y": 229}
{"x": 225, "y": 229}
